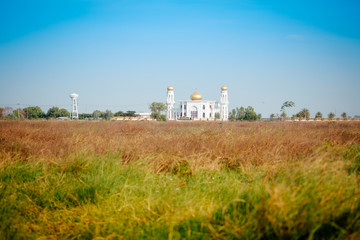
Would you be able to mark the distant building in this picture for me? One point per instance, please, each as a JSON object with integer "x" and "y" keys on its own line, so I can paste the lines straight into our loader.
{"x": 143, "y": 114}
{"x": 138, "y": 117}
{"x": 197, "y": 108}
{"x": 63, "y": 118}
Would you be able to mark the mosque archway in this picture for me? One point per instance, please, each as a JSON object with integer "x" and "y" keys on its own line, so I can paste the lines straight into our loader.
{"x": 194, "y": 112}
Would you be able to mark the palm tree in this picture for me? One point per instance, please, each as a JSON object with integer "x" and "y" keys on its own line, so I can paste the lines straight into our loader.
{"x": 318, "y": 115}
{"x": 286, "y": 104}
{"x": 344, "y": 115}
{"x": 272, "y": 116}
{"x": 331, "y": 115}
{"x": 304, "y": 113}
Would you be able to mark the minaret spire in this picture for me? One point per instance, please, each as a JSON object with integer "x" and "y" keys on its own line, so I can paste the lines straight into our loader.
{"x": 224, "y": 104}
{"x": 170, "y": 102}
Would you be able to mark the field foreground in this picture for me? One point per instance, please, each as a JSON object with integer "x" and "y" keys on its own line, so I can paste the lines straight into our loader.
{"x": 149, "y": 180}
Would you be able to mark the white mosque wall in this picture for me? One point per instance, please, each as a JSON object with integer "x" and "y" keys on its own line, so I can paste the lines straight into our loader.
{"x": 197, "y": 109}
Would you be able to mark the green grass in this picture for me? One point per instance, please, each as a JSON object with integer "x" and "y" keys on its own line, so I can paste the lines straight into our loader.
{"x": 90, "y": 197}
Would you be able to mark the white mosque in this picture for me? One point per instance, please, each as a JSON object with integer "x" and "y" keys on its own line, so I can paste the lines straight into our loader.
{"x": 197, "y": 108}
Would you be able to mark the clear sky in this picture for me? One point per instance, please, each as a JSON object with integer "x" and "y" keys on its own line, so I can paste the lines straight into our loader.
{"x": 122, "y": 55}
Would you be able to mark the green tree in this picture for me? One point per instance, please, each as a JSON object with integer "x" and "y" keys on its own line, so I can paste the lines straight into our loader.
{"x": 318, "y": 115}
{"x": 108, "y": 115}
{"x": 130, "y": 113}
{"x": 97, "y": 114}
{"x": 16, "y": 114}
{"x": 163, "y": 117}
{"x": 119, "y": 114}
{"x": 85, "y": 116}
{"x": 250, "y": 114}
{"x": 1, "y": 112}
{"x": 232, "y": 115}
{"x": 283, "y": 115}
{"x": 304, "y": 113}
{"x": 156, "y": 109}
{"x": 34, "y": 113}
{"x": 63, "y": 113}
{"x": 272, "y": 116}
{"x": 19, "y": 113}
{"x": 53, "y": 112}
{"x": 240, "y": 113}
{"x": 287, "y": 104}
{"x": 331, "y": 115}
{"x": 344, "y": 115}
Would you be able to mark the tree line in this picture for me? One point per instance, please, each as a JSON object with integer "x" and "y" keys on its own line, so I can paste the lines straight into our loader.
{"x": 302, "y": 114}
{"x": 56, "y": 112}
{"x": 305, "y": 114}
{"x": 244, "y": 114}
{"x": 33, "y": 113}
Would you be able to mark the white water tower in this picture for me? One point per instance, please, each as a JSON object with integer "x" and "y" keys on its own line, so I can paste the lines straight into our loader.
{"x": 74, "y": 113}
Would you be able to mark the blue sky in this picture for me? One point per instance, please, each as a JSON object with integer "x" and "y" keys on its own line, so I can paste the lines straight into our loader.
{"x": 121, "y": 55}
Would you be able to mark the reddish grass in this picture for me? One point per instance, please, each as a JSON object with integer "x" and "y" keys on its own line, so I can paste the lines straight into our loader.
{"x": 208, "y": 145}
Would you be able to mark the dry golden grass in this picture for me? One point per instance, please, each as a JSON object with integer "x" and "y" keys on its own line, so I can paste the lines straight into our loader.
{"x": 204, "y": 145}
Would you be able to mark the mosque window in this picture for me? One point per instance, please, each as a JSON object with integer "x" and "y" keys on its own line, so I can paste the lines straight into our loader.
{"x": 194, "y": 114}
{"x": 203, "y": 114}
{"x": 204, "y": 107}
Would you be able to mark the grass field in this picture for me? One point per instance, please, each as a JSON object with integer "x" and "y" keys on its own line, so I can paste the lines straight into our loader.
{"x": 179, "y": 180}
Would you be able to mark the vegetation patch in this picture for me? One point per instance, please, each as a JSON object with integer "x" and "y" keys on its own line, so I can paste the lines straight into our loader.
{"x": 126, "y": 180}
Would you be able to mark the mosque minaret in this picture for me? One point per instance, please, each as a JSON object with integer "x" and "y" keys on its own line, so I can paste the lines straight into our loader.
{"x": 170, "y": 102}
{"x": 197, "y": 108}
{"x": 224, "y": 103}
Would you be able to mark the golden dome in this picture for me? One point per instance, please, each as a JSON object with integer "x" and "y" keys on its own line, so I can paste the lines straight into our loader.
{"x": 170, "y": 88}
{"x": 196, "y": 96}
{"x": 224, "y": 88}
